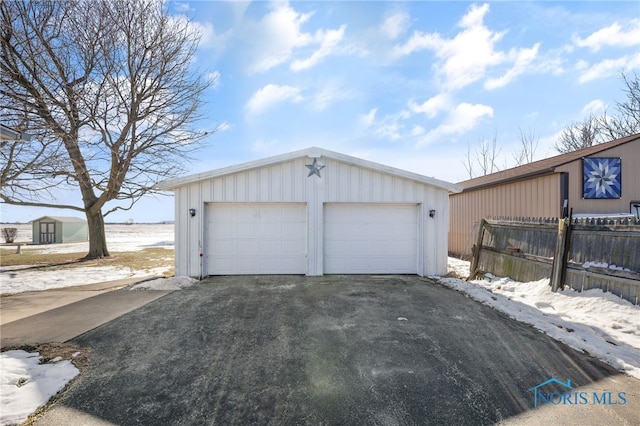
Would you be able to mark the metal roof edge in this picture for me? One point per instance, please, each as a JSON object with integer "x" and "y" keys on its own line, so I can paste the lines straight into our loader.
{"x": 68, "y": 219}
{"x": 312, "y": 152}
{"x": 525, "y": 176}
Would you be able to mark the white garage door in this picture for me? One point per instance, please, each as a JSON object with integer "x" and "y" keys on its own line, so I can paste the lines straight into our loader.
{"x": 260, "y": 238}
{"x": 370, "y": 238}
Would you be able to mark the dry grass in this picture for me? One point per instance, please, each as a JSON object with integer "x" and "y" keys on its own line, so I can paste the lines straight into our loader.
{"x": 146, "y": 259}
{"x": 10, "y": 258}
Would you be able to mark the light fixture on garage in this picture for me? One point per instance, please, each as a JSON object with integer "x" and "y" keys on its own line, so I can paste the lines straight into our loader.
{"x": 432, "y": 213}
{"x": 192, "y": 212}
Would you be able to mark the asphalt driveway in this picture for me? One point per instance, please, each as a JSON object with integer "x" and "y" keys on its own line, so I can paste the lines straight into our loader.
{"x": 315, "y": 350}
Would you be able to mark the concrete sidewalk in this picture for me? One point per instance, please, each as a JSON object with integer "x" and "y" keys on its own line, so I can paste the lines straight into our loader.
{"x": 58, "y": 315}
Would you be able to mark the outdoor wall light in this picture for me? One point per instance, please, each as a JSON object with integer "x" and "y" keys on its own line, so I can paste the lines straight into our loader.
{"x": 432, "y": 213}
{"x": 192, "y": 212}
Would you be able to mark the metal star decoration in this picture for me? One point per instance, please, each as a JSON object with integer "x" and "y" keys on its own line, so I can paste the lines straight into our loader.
{"x": 314, "y": 169}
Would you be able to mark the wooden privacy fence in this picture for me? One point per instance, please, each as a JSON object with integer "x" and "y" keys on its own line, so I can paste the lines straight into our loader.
{"x": 581, "y": 253}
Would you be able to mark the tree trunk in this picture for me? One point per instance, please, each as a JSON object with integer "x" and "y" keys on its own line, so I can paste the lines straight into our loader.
{"x": 97, "y": 240}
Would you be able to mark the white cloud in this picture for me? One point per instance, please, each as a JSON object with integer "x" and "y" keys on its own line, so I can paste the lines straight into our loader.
{"x": 388, "y": 127}
{"x": 215, "y": 78}
{"x": 369, "y": 118}
{"x": 418, "y": 41}
{"x": 464, "y": 58}
{"x": 182, "y": 7}
{"x": 329, "y": 94}
{"x": 610, "y": 67}
{"x": 273, "y": 40}
{"x": 417, "y": 130}
{"x": 461, "y": 119}
{"x": 522, "y": 59}
{"x": 395, "y": 25}
{"x": 595, "y": 107}
{"x": 582, "y": 64}
{"x": 329, "y": 40}
{"x": 270, "y": 95}
{"x": 209, "y": 38}
{"x": 277, "y": 33}
{"x": 613, "y": 35}
{"x": 432, "y": 106}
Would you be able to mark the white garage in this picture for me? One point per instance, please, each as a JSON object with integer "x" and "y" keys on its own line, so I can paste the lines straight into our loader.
{"x": 310, "y": 212}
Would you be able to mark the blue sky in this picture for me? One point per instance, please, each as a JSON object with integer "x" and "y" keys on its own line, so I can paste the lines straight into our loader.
{"x": 407, "y": 84}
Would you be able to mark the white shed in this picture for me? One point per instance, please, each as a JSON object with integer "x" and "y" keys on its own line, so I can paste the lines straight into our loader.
{"x": 310, "y": 212}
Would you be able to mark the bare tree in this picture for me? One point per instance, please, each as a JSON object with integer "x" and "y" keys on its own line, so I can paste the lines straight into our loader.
{"x": 598, "y": 129}
{"x": 528, "y": 146}
{"x": 580, "y": 135}
{"x": 109, "y": 89}
{"x": 627, "y": 121}
{"x": 485, "y": 157}
{"x": 468, "y": 162}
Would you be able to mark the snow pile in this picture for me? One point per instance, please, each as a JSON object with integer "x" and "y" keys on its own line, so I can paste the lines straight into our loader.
{"x": 18, "y": 281}
{"x": 173, "y": 283}
{"x": 592, "y": 321}
{"x": 605, "y": 266}
{"x": 26, "y": 384}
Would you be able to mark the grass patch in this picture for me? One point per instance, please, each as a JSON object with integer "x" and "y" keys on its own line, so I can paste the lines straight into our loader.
{"x": 146, "y": 259}
{"x": 10, "y": 258}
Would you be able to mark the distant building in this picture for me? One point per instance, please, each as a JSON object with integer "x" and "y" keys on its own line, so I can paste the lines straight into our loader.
{"x": 601, "y": 179}
{"x": 59, "y": 229}
{"x": 9, "y": 134}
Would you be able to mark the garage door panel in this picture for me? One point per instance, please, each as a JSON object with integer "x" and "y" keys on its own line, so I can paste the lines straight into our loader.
{"x": 370, "y": 238}
{"x": 256, "y": 238}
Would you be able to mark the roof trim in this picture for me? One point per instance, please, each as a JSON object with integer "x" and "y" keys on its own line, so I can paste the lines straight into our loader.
{"x": 541, "y": 167}
{"x": 67, "y": 219}
{"x": 9, "y": 134}
{"x": 313, "y": 152}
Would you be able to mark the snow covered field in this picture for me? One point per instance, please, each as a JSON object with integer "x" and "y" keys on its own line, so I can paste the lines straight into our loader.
{"x": 120, "y": 238}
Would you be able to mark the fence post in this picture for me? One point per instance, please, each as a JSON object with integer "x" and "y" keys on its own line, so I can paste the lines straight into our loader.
{"x": 559, "y": 254}
{"x": 473, "y": 269}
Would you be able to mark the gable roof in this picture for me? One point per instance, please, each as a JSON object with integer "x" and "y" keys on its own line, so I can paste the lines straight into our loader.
{"x": 313, "y": 152}
{"x": 68, "y": 219}
{"x": 541, "y": 167}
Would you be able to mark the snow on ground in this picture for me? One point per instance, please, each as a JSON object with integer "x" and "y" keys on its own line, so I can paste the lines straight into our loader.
{"x": 18, "y": 281}
{"x": 173, "y": 283}
{"x": 26, "y": 384}
{"x": 120, "y": 238}
{"x": 602, "y": 324}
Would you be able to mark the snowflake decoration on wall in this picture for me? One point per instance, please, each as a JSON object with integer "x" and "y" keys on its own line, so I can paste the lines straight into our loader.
{"x": 601, "y": 177}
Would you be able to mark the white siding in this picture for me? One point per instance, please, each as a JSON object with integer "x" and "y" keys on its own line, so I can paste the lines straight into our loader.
{"x": 288, "y": 182}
